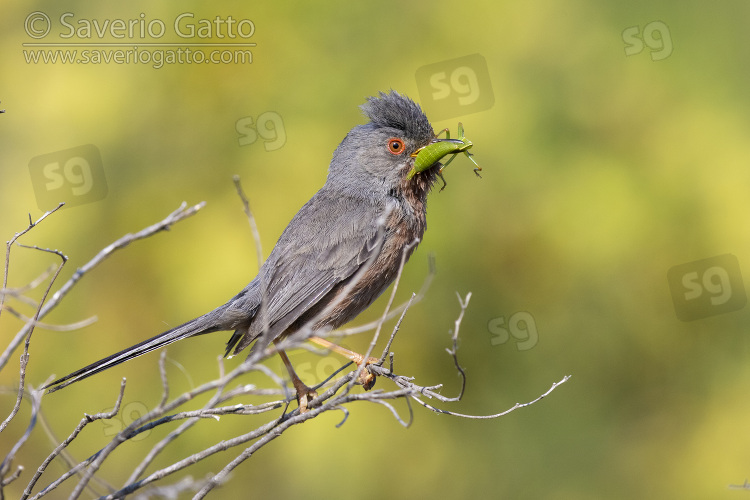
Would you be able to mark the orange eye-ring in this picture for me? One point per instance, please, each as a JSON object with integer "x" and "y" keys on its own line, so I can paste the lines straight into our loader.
{"x": 396, "y": 146}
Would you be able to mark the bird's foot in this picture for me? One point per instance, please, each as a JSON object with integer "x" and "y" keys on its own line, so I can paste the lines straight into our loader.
{"x": 305, "y": 395}
{"x": 366, "y": 378}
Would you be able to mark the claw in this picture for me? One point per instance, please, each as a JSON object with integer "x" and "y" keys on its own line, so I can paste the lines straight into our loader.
{"x": 305, "y": 397}
{"x": 366, "y": 379}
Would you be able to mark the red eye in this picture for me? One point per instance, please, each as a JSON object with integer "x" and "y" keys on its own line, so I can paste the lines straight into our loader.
{"x": 396, "y": 146}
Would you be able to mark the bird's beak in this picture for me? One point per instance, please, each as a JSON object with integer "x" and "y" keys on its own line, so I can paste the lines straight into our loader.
{"x": 427, "y": 156}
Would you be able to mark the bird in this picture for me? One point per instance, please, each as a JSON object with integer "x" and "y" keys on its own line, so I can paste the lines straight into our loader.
{"x": 341, "y": 250}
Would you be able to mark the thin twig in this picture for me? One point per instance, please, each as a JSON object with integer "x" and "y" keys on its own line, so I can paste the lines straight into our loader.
{"x": 9, "y": 245}
{"x": 395, "y": 330}
{"x": 55, "y": 328}
{"x": 18, "y": 293}
{"x": 373, "y": 342}
{"x": 262, "y": 310}
{"x": 368, "y": 327}
{"x": 454, "y": 337}
{"x": 87, "y": 419}
{"x": 495, "y": 415}
{"x": 163, "y": 377}
{"x": 36, "y": 398}
{"x": 25, "y": 355}
{"x": 250, "y": 219}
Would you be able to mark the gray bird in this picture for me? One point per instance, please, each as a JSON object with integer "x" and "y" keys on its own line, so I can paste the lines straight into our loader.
{"x": 339, "y": 252}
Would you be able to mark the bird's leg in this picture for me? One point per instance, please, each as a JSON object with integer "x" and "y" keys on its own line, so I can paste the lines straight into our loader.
{"x": 304, "y": 393}
{"x": 366, "y": 378}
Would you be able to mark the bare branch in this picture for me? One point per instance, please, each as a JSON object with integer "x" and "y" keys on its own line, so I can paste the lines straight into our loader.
{"x": 25, "y": 356}
{"x": 181, "y": 213}
{"x": 454, "y": 337}
{"x": 47, "y": 326}
{"x": 429, "y": 392}
{"x": 163, "y": 377}
{"x": 18, "y": 293}
{"x": 87, "y": 419}
{"x": 376, "y": 335}
{"x": 395, "y": 330}
{"x": 9, "y": 245}
{"x": 36, "y": 398}
{"x": 15, "y": 475}
{"x": 250, "y": 219}
{"x": 220, "y": 396}
{"x": 258, "y": 245}
{"x": 43, "y": 307}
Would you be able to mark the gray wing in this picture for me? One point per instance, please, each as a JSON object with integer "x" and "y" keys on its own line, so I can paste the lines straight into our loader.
{"x": 328, "y": 240}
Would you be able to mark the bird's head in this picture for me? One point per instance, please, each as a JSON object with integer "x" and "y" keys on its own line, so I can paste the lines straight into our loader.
{"x": 379, "y": 156}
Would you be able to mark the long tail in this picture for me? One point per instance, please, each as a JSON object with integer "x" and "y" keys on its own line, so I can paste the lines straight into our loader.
{"x": 198, "y": 326}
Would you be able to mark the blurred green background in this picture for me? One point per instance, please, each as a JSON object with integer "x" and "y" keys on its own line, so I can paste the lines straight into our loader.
{"x": 602, "y": 171}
